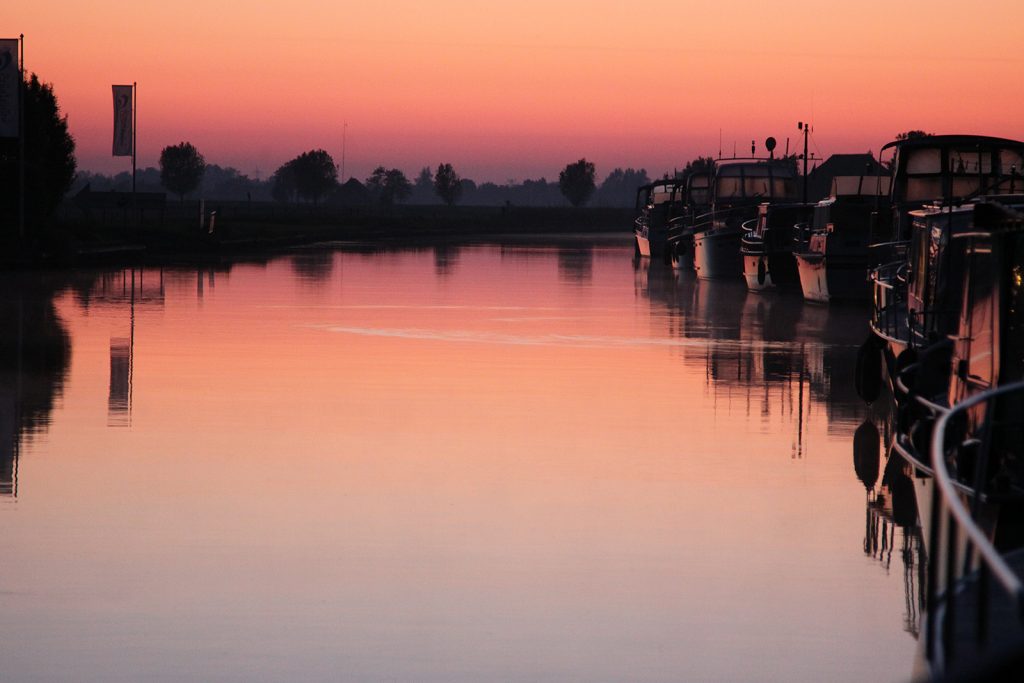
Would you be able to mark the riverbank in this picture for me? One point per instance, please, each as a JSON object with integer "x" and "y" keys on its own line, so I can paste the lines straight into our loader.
{"x": 190, "y": 232}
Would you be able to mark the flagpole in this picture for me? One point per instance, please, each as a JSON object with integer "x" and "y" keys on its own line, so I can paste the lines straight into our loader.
{"x": 135, "y": 123}
{"x": 21, "y": 138}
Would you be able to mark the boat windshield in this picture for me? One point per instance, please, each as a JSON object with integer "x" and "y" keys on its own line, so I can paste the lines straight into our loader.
{"x": 969, "y": 170}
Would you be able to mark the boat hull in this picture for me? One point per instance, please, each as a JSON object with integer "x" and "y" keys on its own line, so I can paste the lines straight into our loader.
{"x": 716, "y": 254}
{"x": 824, "y": 279}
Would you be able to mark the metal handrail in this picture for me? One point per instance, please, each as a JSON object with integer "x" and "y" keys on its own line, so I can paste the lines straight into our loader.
{"x": 958, "y": 516}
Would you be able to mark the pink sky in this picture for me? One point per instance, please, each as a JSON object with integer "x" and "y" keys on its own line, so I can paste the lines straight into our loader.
{"x": 513, "y": 90}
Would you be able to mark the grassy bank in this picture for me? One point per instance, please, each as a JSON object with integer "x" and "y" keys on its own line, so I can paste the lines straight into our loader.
{"x": 174, "y": 233}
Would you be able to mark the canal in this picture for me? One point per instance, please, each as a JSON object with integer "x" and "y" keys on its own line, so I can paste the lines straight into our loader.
{"x": 496, "y": 462}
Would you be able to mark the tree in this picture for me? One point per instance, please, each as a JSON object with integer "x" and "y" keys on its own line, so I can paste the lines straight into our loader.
{"x": 447, "y": 184}
{"x": 912, "y": 134}
{"x": 315, "y": 174}
{"x": 310, "y": 176}
{"x": 699, "y": 165}
{"x": 388, "y": 185}
{"x": 181, "y": 168}
{"x": 577, "y": 182}
{"x": 282, "y": 184}
{"x": 423, "y": 187}
{"x": 619, "y": 188}
{"x": 49, "y": 158}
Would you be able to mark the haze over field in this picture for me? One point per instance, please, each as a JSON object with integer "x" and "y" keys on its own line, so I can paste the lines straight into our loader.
{"x": 509, "y": 90}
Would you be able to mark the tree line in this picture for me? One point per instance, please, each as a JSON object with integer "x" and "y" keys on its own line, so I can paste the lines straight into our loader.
{"x": 312, "y": 178}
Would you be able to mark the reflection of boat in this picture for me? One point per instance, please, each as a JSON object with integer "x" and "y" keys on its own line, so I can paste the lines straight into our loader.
{"x": 656, "y": 204}
{"x": 833, "y": 261}
{"x": 767, "y": 249}
{"x": 891, "y": 507}
{"x": 738, "y": 188}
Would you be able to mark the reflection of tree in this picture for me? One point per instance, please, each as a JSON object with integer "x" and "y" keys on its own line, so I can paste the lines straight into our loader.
{"x": 314, "y": 266}
{"x": 34, "y": 354}
{"x": 576, "y": 264}
{"x": 446, "y": 257}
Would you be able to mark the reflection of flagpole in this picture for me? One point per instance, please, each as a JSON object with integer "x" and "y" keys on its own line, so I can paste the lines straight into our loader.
{"x": 17, "y": 394}
{"x": 131, "y": 348}
{"x": 21, "y": 137}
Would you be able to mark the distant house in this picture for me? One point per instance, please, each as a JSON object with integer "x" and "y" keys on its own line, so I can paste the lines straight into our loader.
{"x": 819, "y": 181}
{"x": 351, "y": 193}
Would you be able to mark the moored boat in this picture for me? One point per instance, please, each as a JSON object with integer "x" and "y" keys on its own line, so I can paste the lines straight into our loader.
{"x": 738, "y": 188}
{"x": 832, "y": 262}
{"x": 767, "y": 248}
{"x": 656, "y": 204}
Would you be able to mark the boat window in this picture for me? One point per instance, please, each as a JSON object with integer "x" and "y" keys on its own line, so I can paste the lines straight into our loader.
{"x": 699, "y": 195}
{"x": 1013, "y": 340}
{"x": 963, "y": 187}
{"x": 928, "y": 160}
{"x": 981, "y": 316}
{"x": 921, "y": 253}
{"x": 923, "y": 189}
{"x": 1011, "y": 158}
{"x": 970, "y": 161}
{"x": 757, "y": 187}
{"x": 729, "y": 187}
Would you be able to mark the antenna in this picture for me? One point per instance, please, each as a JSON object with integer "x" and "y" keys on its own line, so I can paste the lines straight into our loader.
{"x": 719, "y": 143}
{"x": 753, "y": 148}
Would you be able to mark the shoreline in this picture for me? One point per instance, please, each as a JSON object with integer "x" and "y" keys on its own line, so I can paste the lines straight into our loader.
{"x": 244, "y": 232}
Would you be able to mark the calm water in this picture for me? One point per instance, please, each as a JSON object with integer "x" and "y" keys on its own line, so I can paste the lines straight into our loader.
{"x": 479, "y": 464}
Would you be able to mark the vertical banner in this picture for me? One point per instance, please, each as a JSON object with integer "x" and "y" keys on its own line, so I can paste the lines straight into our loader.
{"x": 9, "y": 77}
{"x": 123, "y": 106}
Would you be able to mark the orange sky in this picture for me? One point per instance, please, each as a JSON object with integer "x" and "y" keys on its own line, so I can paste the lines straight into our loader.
{"x": 511, "y": 90}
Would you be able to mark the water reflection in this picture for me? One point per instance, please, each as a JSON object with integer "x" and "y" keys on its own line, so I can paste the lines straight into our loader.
{"x": 446, "y": 258}
{"x": 35, "y": 351}
{"x": 540, "y": 455}
{"x": 313, "y": 267}
{"x": 576, "y": 264}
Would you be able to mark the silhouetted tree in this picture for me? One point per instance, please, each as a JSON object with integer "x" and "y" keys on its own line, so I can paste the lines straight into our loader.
{"x": 388, "y": 185}
{"x": 315, "y": 174}
{"x": 912, "y": 134}
{"x": 447, "y": 184}
{"x": 619, "y": 188}
{"x": 423, "y": 187}
{"x": 181, "y": 168}
{"x": 282, "y": 183}
{"x": 699, "y": 165}
{"x": 49, "y": 158}
{"x": 577, "y": 182}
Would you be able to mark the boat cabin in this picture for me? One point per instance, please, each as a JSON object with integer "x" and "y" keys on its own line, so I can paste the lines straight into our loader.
{"x": 751, "y": 182}
{"x": 951, "y": 169}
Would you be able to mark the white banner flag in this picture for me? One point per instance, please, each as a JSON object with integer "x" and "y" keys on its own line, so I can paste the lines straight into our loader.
{"x": 9, "y": 88}
{"x": 123, "y": 107}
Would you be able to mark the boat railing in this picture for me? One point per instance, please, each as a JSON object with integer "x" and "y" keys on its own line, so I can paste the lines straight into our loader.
{"x": 889, "y": 296}
{"x": 956, "y": 537}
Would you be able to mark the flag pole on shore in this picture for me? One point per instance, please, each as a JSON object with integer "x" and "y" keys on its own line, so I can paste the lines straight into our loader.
{"x": 21, "y": 137}
{"x": 135, "y": 130}
{"x": 124, "y": 125}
